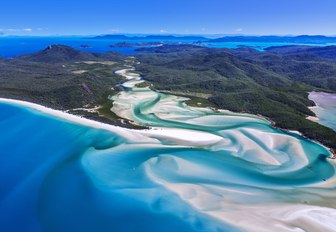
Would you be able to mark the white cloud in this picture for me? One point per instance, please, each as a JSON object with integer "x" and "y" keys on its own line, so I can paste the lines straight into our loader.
{"x": 16, "y": 30}
{"x": 114, "y": 30}
{"x": 239, "y": 29}
{"x": 163, "y": 31}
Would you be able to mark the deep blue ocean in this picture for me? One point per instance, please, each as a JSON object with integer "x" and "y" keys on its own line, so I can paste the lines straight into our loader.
{"x": 59, "y": 176}
{"x": 14, "y": 46}
{"x": 11, "y": 46}
{"x": 199, "y": 171}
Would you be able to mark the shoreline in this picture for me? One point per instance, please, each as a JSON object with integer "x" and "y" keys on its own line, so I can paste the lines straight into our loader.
{"x": 273, "y": 125}
{"x": 332, "y": 155}
{"x": 181, "y": 189}
{"x": 150, "y": 135}
{"x": 314, "y": 97}
{"x": 296, "y": 132}
{"x": 124, "y": 132}
{"x": 140, "y": 134}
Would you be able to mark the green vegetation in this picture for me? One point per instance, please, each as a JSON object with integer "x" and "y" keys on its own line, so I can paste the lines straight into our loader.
{"x": 272, "y": 83}
{"x": 55, "y": 85}
{"x": 64, "y": 83}
{"x": 245, "y": 80}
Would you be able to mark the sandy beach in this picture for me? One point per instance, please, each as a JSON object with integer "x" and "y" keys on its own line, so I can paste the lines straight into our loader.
{"x": 185, "y": 137}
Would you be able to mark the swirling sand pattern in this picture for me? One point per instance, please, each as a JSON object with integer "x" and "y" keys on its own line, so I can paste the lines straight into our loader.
{"x": 197, "y": 170}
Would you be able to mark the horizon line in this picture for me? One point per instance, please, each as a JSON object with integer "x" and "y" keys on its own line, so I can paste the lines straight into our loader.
{"x": 165, "y": 34}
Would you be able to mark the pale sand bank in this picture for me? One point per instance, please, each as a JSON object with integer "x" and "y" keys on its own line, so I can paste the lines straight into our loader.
{"x": 77, "y": 119}
{"x": 179, "y": 136}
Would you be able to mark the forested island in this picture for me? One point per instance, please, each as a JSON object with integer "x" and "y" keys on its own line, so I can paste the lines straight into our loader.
{"x": 273, "y": 83}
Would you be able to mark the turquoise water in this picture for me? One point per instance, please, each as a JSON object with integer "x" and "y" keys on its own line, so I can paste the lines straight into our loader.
{"x": 325, "y": 108}
{"x": 51, "y": 171}
{"x": 199, "y": 170}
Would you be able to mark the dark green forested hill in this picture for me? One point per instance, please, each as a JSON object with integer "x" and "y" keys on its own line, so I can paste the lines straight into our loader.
{"x": 273, "y": 83}
{"x": 270, "y": 83}
{"x": 58, "y": 75}
{"x": 63, "y": 78}
{"x": 62, "y": 54}
{"x": 314, "y": 66}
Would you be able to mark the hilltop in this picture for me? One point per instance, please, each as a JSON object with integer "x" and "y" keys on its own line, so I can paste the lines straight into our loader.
{"x": 63, "y": 54}
{"x": 273, "y": 83}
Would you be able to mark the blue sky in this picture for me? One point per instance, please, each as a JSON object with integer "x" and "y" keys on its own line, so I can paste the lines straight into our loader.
{"x": 89, "y": 17}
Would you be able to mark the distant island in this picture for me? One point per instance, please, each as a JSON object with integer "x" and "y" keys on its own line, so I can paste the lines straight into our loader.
{"x": 85, "y": 46}
{"x": 302, "y": 39}
{"x": 274, "y": 83}
{"x": 139, "y": 44}
{"x": 151, "y": 37}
